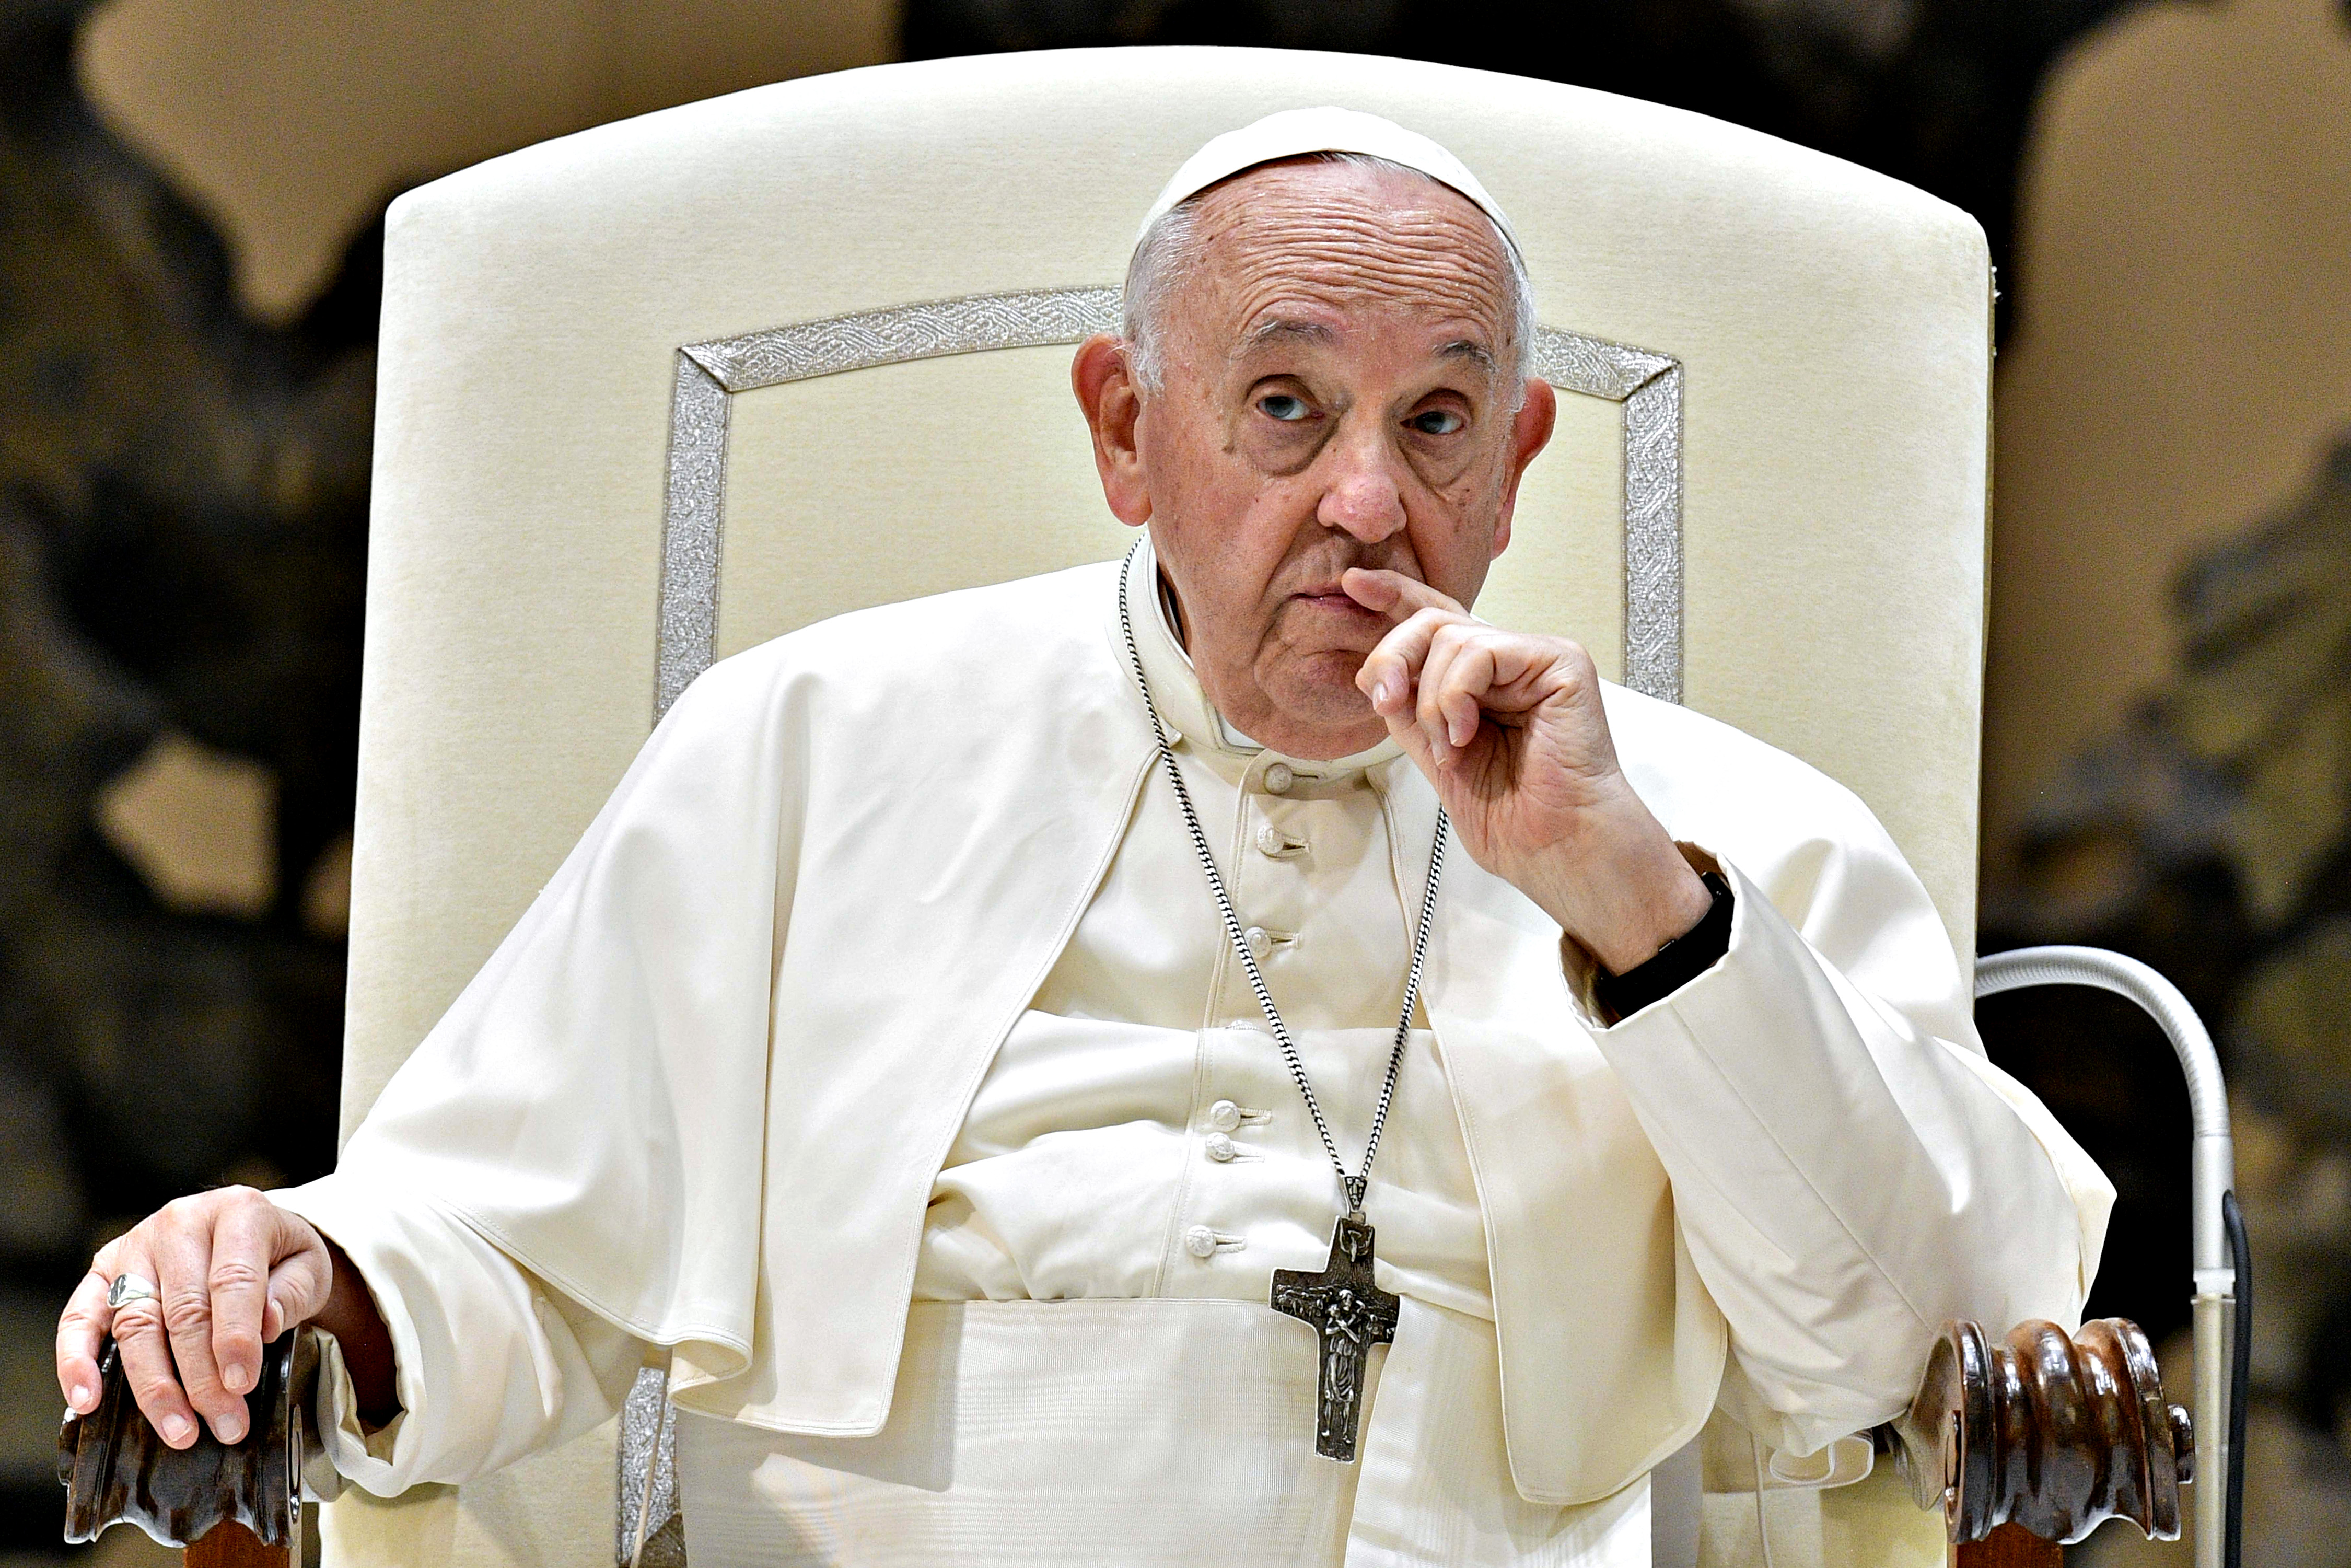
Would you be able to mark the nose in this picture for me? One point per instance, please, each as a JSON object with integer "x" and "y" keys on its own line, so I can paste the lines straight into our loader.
{"x": 1360, "y": 495}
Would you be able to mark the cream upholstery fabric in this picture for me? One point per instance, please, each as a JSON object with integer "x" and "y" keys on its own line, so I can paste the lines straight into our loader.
{"x": 1832, "y": 324}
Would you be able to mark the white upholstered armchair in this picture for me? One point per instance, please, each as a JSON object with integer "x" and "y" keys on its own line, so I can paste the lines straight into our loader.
{"x": 655, "y": 393}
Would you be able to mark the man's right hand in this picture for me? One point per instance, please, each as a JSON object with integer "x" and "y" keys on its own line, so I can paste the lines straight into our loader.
{"x": 231, "y": 1271}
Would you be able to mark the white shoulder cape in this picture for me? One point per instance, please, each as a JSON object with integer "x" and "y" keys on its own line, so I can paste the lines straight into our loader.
{"x": 705, "y": 1085}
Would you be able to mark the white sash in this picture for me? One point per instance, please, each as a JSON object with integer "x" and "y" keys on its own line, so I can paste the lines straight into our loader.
{"x": 1139, "y": 1433}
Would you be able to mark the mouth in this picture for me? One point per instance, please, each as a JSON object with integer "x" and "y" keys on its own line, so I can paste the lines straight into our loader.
{"x": 1327, "y": 596}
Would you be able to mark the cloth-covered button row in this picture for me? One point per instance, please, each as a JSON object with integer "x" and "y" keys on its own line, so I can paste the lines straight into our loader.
{"x": 1202, "y": 1242}
{"x": 1263, "y": 940}
{"x": 1225, "y": 1116}
{"x": 1272, "y": 842}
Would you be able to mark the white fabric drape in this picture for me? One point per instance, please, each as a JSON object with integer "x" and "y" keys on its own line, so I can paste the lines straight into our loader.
{"x": 703, "y": 1096}
{"x": 1140, "y": 1109}
{"x": 1145, "y": 1432}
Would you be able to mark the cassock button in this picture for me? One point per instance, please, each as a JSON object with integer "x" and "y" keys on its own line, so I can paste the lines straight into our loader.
{"x": 1257, "y": 940}
{"x": 1221, "y": 1147}
{"x": 1200, "y": 1242}
{"x": 1224, "y": 1115}
{"x": 1279, "y": 778}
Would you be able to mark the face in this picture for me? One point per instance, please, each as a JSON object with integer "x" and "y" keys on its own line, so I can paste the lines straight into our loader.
{"x": 1333, "y": 396}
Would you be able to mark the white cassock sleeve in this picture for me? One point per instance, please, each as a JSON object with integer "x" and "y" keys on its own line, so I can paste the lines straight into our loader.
{"x": 600, "y": 1082}
{"x": 492, "y": 1364}
{"x": 1849, "y": 1168}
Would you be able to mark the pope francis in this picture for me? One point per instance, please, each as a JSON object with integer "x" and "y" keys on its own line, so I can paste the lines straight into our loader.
{"x": 1226, "y": 1056}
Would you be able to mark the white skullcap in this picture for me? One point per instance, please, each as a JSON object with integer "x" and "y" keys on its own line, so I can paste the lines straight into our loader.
{"x": 1294, "y": 132}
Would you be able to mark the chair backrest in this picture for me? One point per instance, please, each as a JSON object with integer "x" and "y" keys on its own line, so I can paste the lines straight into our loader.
{"x": 681, "y": 383}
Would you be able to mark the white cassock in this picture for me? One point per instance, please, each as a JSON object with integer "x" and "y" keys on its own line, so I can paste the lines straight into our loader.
{"x": 889, "y": 975}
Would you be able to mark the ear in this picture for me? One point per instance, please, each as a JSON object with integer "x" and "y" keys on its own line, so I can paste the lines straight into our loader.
{"x": 1103, "y": 377}
{"x": 1530, "y": 433}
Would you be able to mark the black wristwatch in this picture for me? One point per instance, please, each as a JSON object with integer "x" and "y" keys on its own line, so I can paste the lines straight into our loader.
{"x": 1673, "y": 966}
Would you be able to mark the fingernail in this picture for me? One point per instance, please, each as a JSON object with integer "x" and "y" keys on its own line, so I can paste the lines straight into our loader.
{"x": 175, "y": 1428}
{"x": 79, "y": 1398}
{"x": 236, "y": 1379}
{"x": 230, "y": 1428}
{"x": 1379, "y": 693}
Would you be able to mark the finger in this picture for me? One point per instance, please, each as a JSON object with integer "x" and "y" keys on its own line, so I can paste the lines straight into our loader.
{"x": 183, "y": 1247}
{"x": 1527, "y": 671}
{"x": 300, "y": 1279}
{"x": 1394, "y": 593}
{"x": 1465, "y": 688}
{"x": 1390, "y": 669}
{"x": 1405, "y": 731}
{"x": 244, "y": 1237}
{"x": 146, "y": 1352}
{"x": 81, "y": 1334}
{"x": 1446, "y": 649}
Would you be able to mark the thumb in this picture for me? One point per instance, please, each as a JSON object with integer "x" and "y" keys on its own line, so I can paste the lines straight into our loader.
{"x": 301, "y": 1277}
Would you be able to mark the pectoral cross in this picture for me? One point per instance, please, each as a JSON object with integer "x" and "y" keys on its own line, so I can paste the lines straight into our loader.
{"x": 1350, "y": 1314}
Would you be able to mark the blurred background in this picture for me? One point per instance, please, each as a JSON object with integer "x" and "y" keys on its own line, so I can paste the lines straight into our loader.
{"x": 191, "y": 193}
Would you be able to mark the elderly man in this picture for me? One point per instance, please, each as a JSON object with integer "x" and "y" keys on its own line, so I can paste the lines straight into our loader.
{"x": 1225, "y": 1054}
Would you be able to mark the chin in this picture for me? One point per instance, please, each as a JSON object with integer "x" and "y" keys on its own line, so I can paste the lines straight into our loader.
{"x": 1320, "y": 691}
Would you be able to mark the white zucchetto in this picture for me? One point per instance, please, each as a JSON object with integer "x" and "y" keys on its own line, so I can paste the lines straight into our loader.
{"x": 1295, "y": 133}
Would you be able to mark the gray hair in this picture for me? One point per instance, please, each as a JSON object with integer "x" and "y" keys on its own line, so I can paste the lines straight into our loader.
{"x": 1170, "y": 250}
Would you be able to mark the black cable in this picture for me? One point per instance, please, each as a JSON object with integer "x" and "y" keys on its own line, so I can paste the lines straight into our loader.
{"x": 2240, "y": 1367}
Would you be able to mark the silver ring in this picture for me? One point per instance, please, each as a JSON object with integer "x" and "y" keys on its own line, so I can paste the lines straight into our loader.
{"x": 125, "y": 1289}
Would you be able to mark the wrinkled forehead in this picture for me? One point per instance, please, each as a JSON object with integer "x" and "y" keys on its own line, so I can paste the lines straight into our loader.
{"x": 1306, "y": 182}
{"x": 1285, "y": 249}
{"x": 1314, "y": 202}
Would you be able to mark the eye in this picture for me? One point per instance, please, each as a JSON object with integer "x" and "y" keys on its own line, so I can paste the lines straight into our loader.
{"x": 1437, "y": 421}
{"x": 1282, "y": 406}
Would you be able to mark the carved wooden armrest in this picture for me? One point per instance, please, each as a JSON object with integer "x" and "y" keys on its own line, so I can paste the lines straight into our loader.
{"x": 2022, "y": 1443}
{"x": 2044, "y": 1435}
{"x": 231, "y": 1504}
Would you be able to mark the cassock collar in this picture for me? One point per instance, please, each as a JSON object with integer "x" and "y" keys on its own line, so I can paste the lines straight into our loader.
{"x": 1183, "y": 706}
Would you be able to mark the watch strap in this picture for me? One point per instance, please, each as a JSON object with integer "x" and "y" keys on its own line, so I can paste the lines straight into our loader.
{"x": 1673, "y": 966}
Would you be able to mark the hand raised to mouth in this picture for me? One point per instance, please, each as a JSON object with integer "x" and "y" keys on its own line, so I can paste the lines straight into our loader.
{"x": 1509, "y": 729}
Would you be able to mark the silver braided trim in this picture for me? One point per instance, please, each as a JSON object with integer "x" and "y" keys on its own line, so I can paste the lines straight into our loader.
{"x": 645, "y": 1528}
{"x": 707, "y": 373}
{"x": 1653, "y": 537}
{"x": 1351, "y": 1185}
{"x": 693, "y": 523}
{"x": 1023, "y": 318}
{"x": 1649, "y": 385}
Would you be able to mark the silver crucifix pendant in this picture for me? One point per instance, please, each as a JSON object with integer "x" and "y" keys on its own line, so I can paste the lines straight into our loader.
{"x": 1350, "y": 1314}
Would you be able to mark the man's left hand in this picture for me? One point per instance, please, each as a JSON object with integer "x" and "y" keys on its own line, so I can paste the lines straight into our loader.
{"x": 1508, "y": 727}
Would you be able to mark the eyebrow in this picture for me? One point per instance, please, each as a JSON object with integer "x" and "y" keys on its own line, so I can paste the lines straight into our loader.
{"x": 1282, "y": 329}
{"x": 1476, "y": 353}
{"x": 1293, "y": 330}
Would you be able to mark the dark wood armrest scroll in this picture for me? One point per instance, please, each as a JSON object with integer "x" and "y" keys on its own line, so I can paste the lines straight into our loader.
{"x": 226, "y": 1497}
{"x": 2049, "y": 1434}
